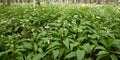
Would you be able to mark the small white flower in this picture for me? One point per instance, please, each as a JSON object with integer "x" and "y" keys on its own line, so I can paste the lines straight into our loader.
{"x": 98, "y": 17}
{"x": 65, "y": 29}
{"x": 27, "y": 20}
{"x": 48, "y": 41}
{"x": 3, "y": 21}
{"x": 33, "y": 30}
{"x": 59, "y": 21}
{"x": 73, "y": 22}
{"x": 62, "y": 35}
{"x": 76, "y": 16}
{"x": 69, "y": 24}
{"x": 47, "y": 26}
{"x": 13, "y": 18}
{"x": 28, "y": 39}
{"x": 117, "y": 19}
{"x": 23, "y": 25}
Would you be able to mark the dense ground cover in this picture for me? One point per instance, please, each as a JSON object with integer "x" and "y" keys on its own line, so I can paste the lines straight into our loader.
{"x": 60, "y": 32}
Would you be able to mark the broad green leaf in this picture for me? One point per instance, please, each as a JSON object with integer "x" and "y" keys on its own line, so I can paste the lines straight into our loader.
{"x": 29, "y": 56}
{"x": 43, "y": 33}
{"x": 89, "y": 59}
{"x": 20, "y": 50}
{"x": 40, "y": 50}
{"x": 104, "y": 43}
{"x": 53, "y": 44}
{"x": 38, "y": 56}
{"x": 112, "y": 36}
{"x": 113, "y": 57}
{"x": 116, "y": 52}
{"x": 55, "y": 53}
{"x": 11, "y": 37}
{"x": 1, "y": 53}
{"x": 61, "y": 52}
{"x": 88, "y": 48}
{"x": 28, "y": 45}
{"x": 80, "y": 54}
{"x": 35, "y": 47}
{"x": 100, "y": 56}
{"x": 34, "y": 35}
{"x": 70, "y": 55}
{"x": 103, "y": 53}
{"x": 72, "y": 45}
{"x": 66, "y": 43}
{"x": 99, "y": 47}
{"x": 38, "y": 36}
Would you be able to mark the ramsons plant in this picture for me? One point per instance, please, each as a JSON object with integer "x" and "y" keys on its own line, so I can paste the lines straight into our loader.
{"x": 60, "y": 32}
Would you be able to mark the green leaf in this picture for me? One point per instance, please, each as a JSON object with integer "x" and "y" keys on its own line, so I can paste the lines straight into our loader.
{"x": 53, "y": 44}
{"x": 38, "y": 56}
{"x": 104, "y": 43}
{"x": 75, "y": 44}
{"x": 70, "y": 55}
{"x": 28, "y": 45}
{"x": 66, "y": 43}
{"x": 43, "y": 33}
{"x": 89, "y": 59}
{"x": 80, "y": 54}
{"x": 40, "y": 50}
{"x": 1, "y": 53}
{"x": 35, "y": 47}
{"x": 34, "y": 35}
{"x": 29, "y": 56}
{"x": 61, "y": 52}
{"x": 99, "y": 47}
{"x": 100, "y": 56}
{"x": 88, "y": 48}
{"x": 113, "y": 57}
{"x": 55, "y": 53}
{"x": 103, "y": 53}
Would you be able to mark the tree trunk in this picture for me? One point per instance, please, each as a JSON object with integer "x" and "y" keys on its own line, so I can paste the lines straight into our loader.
{"x": 0, "y": 1}
{"x": 94, "y": 1}
{"x": 106, "y": 1}
{"x": 28, "y": 1}
{"x": 90, "y": 1}
{"x": 63, "y": 0}
{"x": 21, "y": 1}
{"x": 38, "y": 2}
{"x": 8, "y": 2}
{"x": 48, "y": 1}
{"x": 3, "y": 2}
{"x": 77, "y": 1}
{"x": 16, "y": 1}
{"x": 85, "y": 1}
{"x": 98, "y": 1}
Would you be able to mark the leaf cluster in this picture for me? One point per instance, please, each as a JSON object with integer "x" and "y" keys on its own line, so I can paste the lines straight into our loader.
{"x": 60, "y": 32}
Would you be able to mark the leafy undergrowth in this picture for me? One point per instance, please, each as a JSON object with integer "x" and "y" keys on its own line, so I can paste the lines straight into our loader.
{"x": 60, "y": 32}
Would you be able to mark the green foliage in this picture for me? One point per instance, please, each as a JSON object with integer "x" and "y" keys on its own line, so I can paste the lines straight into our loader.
{"x": 59, "y": 32}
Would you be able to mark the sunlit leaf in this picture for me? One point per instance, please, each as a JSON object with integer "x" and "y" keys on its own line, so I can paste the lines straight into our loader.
{"x": 70, "y": 55}
{"x": 80, "y": 54}
{"x": 103, "y": 53}
{"x": 55, "y": 53}
{"x": 38, "y": 56}
{"x": 66, "y": 43}
{"x": 28, "y": 45}
{"x": 113, "y": 57}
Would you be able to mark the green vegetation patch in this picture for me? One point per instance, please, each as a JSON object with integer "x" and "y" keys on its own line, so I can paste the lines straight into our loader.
{"x": 59, "y": 32}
